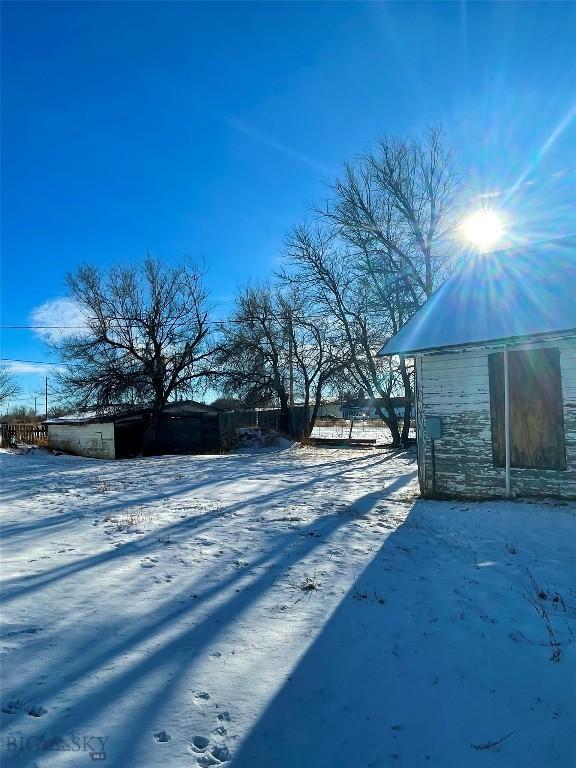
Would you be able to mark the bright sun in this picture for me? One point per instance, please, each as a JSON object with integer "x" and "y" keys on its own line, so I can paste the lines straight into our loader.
{"x": 483, "y": 229}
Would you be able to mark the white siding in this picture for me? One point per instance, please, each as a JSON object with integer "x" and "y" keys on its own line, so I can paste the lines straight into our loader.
{"x": 455, "y": 386}
{"x": 94, "y": 440}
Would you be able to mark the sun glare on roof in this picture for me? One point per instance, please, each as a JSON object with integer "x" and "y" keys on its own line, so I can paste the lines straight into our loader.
{"x": 483, "y": 229}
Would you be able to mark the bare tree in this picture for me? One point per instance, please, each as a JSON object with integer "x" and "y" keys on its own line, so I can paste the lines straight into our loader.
{"x": 323, "y": 267}
{"x": 253, "y": 354}
{"x": 146, "y": 337}
{"x": 317, "y": 358}
{"x": 22, "y": 413}
{"x": 272, "y": 349}
{"x": 8, "y": 385}
{"x": 397, "y": 203}
{"x": 387, "y": 221}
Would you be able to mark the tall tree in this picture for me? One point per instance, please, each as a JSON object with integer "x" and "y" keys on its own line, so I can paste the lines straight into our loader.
{"x": 146, "y": 337}
{"x": 273, "y": 349}
{"x": 391, "y": 214}
{"x": 316, "y": 357}
{"x": 253, "y": 356}
{"x": 396, "y": 204}
{"x": 321, "y": 266}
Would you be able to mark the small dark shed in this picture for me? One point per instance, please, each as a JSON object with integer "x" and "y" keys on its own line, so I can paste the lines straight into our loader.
{"x": 184, "y": 427}
{"x": 189, "y": 427}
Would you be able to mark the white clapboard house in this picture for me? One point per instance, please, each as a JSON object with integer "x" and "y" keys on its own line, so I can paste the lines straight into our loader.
{"x": 495, "y": 360}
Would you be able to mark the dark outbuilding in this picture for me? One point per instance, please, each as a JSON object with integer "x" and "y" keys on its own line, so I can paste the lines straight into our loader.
{"x": 184, "y": 427}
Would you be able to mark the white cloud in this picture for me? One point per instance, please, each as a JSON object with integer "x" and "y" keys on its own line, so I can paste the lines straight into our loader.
{"x": 58, "y": 318}
{"x": 23, "y": 369}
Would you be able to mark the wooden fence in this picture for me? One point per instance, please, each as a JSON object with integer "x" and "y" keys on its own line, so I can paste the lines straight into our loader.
{"x": 20, "y": 432}
{"x": 269, "y": 419}
{"x": 266, "y": 419}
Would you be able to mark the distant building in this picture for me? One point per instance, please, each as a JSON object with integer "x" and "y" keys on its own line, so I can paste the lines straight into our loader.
{"x": 329, "y": 411}
{"x": 495, "y": 354}
{"x": 365, "y": 408}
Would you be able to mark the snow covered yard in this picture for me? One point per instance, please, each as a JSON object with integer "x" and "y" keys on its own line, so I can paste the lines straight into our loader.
{"x": 373, "y": 429}
{"x": 279, "y": 609}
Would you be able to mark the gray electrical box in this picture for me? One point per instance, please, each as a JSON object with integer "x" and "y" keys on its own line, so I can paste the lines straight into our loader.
{"x": 433, "y": 426}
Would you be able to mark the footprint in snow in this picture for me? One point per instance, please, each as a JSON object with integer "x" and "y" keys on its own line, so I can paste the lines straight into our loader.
{"x": 17, "y": 705}
{"x": 149, "y": 562}
{"x": 37, "y": 711}
{"x": 13, "y": 706}
{"x": 17, "y": 629}
{"x": 221, "y": 753}
{"x": 219, "y": 731}
{"x": 206, "y": 761}
{"x": 162, "y": 737}
{"x": 224, "y": 717}
{"x": 218, "y": 755}
{"x": 201, "y": 697}
{"x": 199, "y": 744}
{"x": 163, "y": 579}
{"x": 215, "y": 655}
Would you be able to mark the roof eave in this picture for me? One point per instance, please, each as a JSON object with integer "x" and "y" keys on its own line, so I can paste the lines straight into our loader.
{"x": 384, "y": 352}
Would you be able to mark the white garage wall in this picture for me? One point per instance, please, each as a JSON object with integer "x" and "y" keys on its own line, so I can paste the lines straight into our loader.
{"x": 94, "y": 440}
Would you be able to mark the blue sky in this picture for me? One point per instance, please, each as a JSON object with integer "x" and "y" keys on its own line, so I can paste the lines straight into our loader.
{"x": 207, "y": 129}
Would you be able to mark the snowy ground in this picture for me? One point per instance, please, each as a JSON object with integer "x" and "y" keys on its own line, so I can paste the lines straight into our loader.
{"x": 287, "y": 609}
{"x": 367, "y": 429}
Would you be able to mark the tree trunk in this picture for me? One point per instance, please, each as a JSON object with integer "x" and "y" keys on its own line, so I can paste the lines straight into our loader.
{"x": 393, "y": 425}
{"x": 391, "y": 421}
{"x": 315, "y": 409}
{"x": 152, "y": 430}
{"x": 408, "y": 406}
{"x": 305, "y": 425}
{"x": 285, "y": 420}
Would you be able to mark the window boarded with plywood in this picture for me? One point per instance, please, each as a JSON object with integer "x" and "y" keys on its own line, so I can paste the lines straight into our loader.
{"x": 536, "y": 412}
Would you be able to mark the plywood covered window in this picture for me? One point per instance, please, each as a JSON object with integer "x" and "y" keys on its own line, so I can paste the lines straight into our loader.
{"x": 536, "y": 412}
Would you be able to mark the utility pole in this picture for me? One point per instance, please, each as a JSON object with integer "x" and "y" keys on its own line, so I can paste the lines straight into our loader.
{"x": 291, "y": 374}
{"x": 46, "y": 394}
{"x": 35, "y": 411}
{"x": 290, "y": 361}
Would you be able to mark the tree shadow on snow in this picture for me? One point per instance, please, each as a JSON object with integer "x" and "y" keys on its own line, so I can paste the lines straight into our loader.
{"x": 163, "y": 669}
{"x": 413, "y": 670}
{"x": 16, "y": 587}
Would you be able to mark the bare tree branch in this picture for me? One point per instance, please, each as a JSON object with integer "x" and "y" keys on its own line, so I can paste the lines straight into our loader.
{"x": 146, "y": 339}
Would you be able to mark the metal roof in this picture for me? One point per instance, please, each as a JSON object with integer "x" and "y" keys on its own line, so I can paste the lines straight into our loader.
{"x": 510, "y": 294}
{"x": 179, "y": 408}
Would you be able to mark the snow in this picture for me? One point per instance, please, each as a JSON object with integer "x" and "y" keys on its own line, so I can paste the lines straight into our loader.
{"x": 280, "y": 607}
{"x": 80, "y": 417}
{"x": 371, "y": 429}
{"x": 361, "y": 429}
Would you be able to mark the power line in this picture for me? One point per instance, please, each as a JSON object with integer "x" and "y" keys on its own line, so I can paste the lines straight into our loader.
{"x": 83, "y": 327}
{"x": 27, "y": 398}
{"x": 35, "y": 362}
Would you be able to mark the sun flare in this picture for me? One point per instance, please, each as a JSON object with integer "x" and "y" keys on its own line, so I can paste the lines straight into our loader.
{"x": 483, "y": 229}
